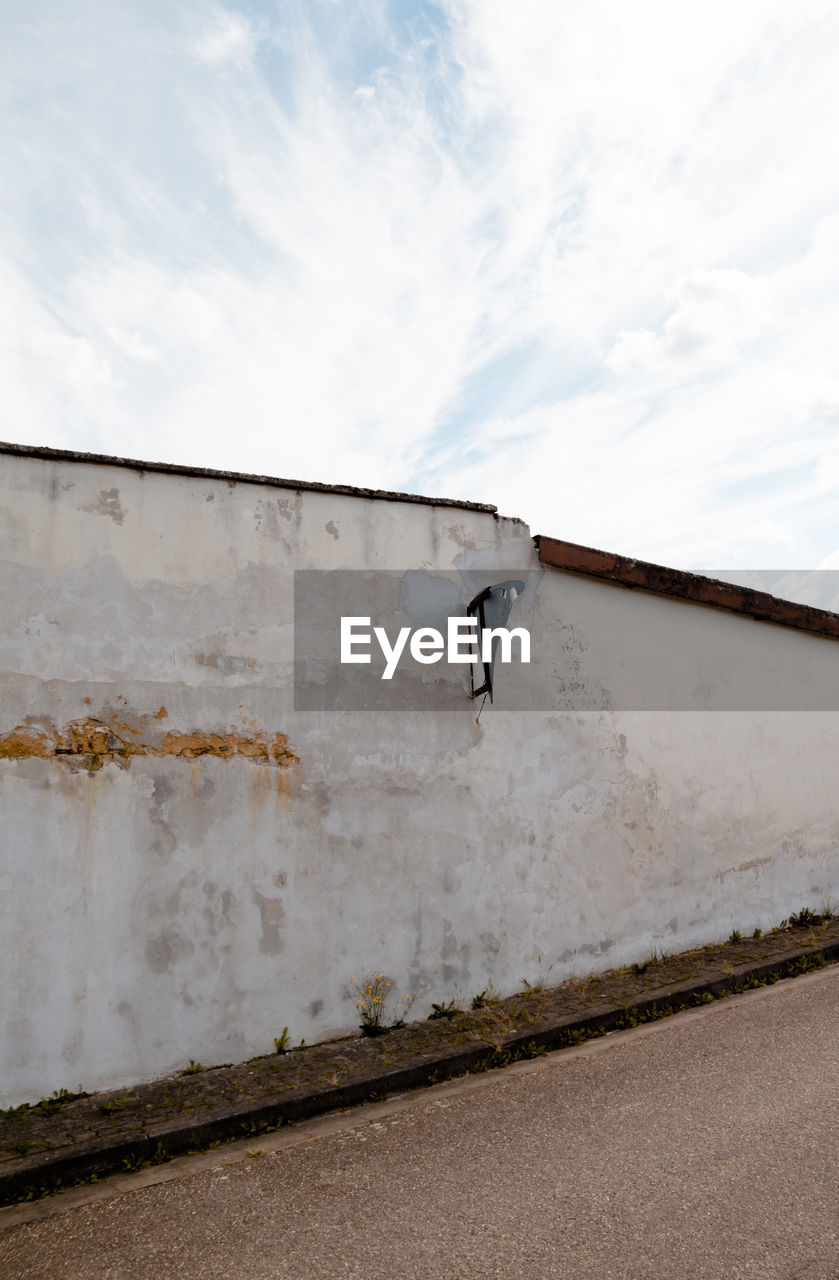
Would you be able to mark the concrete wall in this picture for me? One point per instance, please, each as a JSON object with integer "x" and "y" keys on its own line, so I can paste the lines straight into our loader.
{"x": 188, "y": 864}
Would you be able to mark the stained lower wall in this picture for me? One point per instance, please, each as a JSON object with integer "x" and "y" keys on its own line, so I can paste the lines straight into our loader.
{"x": 189, "y": 864}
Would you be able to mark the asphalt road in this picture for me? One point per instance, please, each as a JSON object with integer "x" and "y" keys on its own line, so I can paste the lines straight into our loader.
{"x": 705, "y": 1145}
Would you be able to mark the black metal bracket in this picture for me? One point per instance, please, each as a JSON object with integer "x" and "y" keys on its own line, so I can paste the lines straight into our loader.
{"x": 491, "y": 607}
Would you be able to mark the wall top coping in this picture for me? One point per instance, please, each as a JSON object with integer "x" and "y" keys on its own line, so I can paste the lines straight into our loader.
{"x": 682, "y": 585}
{"x": 236, "y": 477}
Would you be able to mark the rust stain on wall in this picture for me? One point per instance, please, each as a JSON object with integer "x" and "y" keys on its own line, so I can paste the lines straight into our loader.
{"x": 23, "y": 743}
{"x": 90, "y": 740}
{"x": 93, "y": 737}
{"x": 93, "y": 742}
{"x": 264, "y": 750}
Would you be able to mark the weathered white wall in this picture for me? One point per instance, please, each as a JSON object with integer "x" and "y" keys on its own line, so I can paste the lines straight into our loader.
{"x": 216, "y": 866}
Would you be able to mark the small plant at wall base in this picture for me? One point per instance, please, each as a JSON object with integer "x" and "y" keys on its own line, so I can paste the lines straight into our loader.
{"x": 539, "y": 983}
{"x": 371, "y": 1000}
{"x": 486, "y": 997}
{"x": 59, "y": 1098}
{"x": 446, "y": 1009}
{"x": 807, "y": 917}
{"x": 371, "y": 993}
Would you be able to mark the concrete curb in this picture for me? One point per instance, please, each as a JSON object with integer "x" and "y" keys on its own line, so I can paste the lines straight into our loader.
{"x": 33, "y": 1176}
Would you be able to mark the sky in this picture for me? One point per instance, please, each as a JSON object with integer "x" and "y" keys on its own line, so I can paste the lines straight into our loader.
{"x": 574, "y": 258}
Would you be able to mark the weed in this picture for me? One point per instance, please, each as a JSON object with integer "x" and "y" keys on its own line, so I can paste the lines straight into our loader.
{"x": 445, "y": 1010}
{"x": 253, "y": 1154}
{"x": 486, "y": 997}
{"x": 117, "y": 1104}
{"x": 10, "y": 1112}
{"x": 400, "y": 1021}
{"x": 133, "y": 1164}
{"x": 371, "y": 993}
{"x": 577, "y": 1035}
{"x": 193, "y": 1069}
{"x": 49, "y": 1106}
{"x": 21, "y": 1148}
{"x": 539, "y": 983}
{"x": 758, "y": 931}
{"x": 657, "y": 955}
{"x": 532, "y": 988}
{"x": 806, "y": 917}
{"x": 281, "y": 1041}
{"x": 735, "y": 936}
{"x": 500, "y": 1057}
{"x": 252, "y": 1128}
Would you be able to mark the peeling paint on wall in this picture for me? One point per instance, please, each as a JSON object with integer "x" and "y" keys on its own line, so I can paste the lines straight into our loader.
{"x": 273, "y": 750}
{"x": 93, "y": 742}
{"x": 23, "y": 743}
{"x": 108, "y": 504}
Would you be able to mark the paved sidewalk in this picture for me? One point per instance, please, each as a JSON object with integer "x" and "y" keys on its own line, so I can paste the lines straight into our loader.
{"x": 65, "y": 1141}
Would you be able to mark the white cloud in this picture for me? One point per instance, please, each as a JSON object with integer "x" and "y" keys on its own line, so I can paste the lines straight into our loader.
{"x": 718, "y": 314}
{"x": 580, "y": 261}
{"x": 227, "y": 38}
